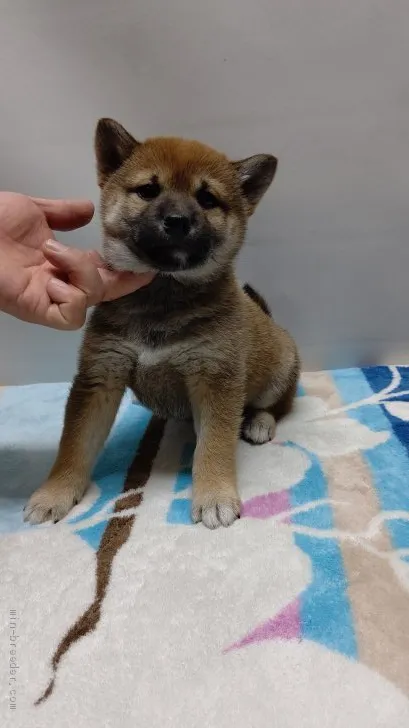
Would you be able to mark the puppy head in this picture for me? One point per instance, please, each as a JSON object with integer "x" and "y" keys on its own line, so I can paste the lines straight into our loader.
{"x": 174, "y": 206}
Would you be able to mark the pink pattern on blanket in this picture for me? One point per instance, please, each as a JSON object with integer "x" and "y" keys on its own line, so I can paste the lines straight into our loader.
{"x": 285, "y": 626}
{"x": 265, "y": 506}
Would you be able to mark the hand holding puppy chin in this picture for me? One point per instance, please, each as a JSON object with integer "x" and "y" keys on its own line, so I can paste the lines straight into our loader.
{"x": 43, "y": 281}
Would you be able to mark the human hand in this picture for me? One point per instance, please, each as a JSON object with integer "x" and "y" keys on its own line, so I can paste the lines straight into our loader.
{"x": 45, "y": 282}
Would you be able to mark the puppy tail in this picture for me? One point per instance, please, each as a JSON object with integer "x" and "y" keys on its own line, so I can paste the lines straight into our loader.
{"x": 259, "y": 300}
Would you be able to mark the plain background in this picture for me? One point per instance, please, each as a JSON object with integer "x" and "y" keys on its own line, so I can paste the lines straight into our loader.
{"x": 322, "y": 84}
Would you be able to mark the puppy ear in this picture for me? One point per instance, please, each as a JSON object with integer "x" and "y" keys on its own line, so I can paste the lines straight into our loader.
{"x": 256, "y": 175}
{"x": 113, "y": 145}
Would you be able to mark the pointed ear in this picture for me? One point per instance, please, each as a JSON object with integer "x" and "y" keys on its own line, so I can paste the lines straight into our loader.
{"x": 256, "y": 175}
{"x": 113, "y": 145}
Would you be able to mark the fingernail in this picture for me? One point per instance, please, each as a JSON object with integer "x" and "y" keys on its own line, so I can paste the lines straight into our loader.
{"x": 55, "y": 247}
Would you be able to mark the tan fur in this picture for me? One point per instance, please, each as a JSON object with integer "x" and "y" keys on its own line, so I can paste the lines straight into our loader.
{"x": 192, "y": 345}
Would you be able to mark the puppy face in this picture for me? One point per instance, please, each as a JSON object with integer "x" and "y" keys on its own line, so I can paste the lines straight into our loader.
{"x": 174, "y": 206}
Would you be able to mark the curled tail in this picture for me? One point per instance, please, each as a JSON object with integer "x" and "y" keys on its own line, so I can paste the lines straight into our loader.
{"x": 259, "y": 300}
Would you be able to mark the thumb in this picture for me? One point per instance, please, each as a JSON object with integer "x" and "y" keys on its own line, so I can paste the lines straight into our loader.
{"x": 65, "y": 214}
{"x": 118, "y": 284}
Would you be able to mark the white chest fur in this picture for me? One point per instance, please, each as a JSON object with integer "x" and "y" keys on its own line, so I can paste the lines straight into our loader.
{"x": 150, "y": 357}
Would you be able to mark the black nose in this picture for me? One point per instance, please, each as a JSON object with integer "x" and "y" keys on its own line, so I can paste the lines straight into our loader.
{"x": 176, "y": 225}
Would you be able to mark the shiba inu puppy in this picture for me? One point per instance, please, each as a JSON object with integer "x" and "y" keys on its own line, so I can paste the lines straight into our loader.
{"x": 193, "y": 343}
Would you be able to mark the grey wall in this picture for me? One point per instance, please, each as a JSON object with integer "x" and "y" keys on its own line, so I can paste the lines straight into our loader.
{"x": 323, "y": 84}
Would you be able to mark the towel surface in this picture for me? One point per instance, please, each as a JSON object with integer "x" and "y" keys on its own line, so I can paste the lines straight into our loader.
{"x": 126, "y": 614}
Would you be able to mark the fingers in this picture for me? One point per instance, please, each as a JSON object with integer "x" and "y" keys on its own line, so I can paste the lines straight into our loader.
{"x": 117, "y": 284}
{"x": 86, "y": 271}
{"x": 89, "y": 283}
{"x": 96, "y": 258}
{"x": 68, "y": 309}
{"x": 81, "y": 270}
{"x": 66, "y": 214}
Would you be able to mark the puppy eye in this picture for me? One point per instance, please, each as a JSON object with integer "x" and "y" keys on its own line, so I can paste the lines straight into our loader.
{"x": 206, "y": 199}
{"x": 147, "y": 192}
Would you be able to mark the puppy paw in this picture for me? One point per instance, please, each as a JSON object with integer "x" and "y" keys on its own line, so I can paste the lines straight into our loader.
{"x": 215, "y": 509}
{"x": 52, "y": 501}
{"x": 258, "y": 428}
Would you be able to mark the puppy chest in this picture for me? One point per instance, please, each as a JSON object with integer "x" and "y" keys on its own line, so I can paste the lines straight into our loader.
{"x": 160, "y": 386}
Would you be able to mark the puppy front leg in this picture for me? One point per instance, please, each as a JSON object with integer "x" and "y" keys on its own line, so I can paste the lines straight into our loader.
{"x": 217, "y": 410}
{"x": 89, "y": 415}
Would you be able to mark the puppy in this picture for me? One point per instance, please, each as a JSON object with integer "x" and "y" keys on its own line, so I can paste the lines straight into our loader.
{"x": 191, "y": 344}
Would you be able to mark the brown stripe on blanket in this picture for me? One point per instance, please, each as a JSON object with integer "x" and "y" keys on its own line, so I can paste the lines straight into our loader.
{"x": 115, "y": 535}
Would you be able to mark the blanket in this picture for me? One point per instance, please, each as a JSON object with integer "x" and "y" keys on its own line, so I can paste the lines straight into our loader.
{"x": 127, "y": 614}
